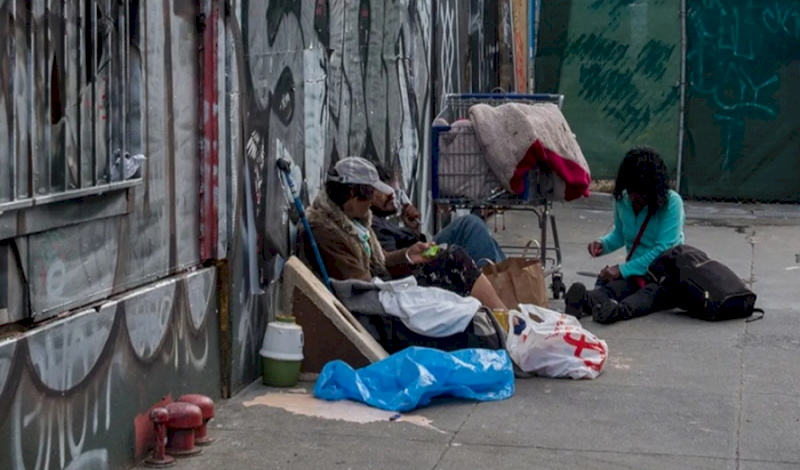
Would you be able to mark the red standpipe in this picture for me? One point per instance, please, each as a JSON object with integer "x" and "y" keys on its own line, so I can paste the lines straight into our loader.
{"x": 184, "y": 418}
{"x": 159, "y": 458}
{"x": 206, "y": 405}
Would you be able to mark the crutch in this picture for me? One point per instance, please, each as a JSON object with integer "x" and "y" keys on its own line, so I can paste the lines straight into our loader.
{"x": 285, "y": 166}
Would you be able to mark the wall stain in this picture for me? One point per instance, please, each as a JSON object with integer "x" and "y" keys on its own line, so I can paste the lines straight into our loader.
{"x": 653, "y": 58}
{"x": 596, "y": 48}
{"x": 609, "y": 77}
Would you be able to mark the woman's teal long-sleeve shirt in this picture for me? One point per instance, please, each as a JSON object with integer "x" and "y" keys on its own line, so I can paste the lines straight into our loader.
{"x": 664, "y": 231}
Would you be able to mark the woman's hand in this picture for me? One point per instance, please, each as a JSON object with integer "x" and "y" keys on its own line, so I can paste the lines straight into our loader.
{"x": 414, "y": 253}
{"x": 610, "y": 273}
{"x": 595, "y": 248}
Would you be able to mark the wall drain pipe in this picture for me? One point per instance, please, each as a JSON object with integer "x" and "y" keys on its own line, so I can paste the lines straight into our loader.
{"x": 682, "y": 104}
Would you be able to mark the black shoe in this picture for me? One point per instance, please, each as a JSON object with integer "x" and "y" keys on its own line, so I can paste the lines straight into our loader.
{"x": 606, "y": 311}
{"x": 575, "y": 300}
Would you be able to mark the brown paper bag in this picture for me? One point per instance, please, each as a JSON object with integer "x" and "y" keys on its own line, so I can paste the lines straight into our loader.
{"x": 518, "y": 280}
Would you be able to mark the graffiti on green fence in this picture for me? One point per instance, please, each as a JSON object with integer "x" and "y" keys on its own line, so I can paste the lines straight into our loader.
{"x": 608, "y": 80}
{"x": 739, "y": 59}
{"x": 617, "y": 64}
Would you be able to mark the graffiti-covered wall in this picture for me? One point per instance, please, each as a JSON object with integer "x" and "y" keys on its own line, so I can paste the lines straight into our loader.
{"x": 617, "y": 62}
{"x": 92, "y": 245}
{"x": 75, "y": 394}
{"x": 743, "y": 73}
{"x": 473, "y": 40}
{"x": 318, "y": 80}
{"x": 106, "y": 309}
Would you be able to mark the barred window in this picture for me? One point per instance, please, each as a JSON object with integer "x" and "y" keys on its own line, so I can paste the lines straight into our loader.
{"x": 70, "y": 100}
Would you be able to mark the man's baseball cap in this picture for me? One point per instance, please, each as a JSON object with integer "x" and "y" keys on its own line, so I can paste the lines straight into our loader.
{"x": 357, "y": 170}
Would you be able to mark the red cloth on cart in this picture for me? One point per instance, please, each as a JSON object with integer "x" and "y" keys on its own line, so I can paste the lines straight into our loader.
{"x": 576, "y": 178}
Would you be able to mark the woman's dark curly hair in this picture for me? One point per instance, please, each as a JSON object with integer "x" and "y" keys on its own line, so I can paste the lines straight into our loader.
{"x": 644, "y": 173}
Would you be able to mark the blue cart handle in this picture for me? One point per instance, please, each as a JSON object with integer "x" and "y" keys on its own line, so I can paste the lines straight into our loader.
{"x": 505, "y": 96}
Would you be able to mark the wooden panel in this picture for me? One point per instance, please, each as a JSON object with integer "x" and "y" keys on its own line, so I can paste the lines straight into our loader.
{"x": 57, "y": 47}
{"x": 102, "y": 56}
{"x": 40, "y": 98}
{"x": 505, "y": 44}
{"x": 86, "y": 93}
{"x": 114, "y": 114}
{"x": 323, "y": 340}
{"x": 519, "y": 12}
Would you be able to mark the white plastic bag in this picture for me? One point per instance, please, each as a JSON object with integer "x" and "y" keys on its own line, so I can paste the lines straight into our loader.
{"x": 553, "y": 344}
{"x": 429, "y": 311}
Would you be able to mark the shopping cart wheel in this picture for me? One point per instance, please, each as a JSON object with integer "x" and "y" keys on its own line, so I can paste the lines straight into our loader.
{"x": 558, "y": 286}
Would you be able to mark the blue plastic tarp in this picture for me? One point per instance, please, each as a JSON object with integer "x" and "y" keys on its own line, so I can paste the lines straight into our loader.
{"x": 412, "y": 377}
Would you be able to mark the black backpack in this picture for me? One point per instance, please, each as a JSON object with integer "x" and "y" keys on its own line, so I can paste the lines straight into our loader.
{"x": 705, "y": 288}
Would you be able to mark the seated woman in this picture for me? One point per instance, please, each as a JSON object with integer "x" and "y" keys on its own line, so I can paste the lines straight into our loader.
{"x": 642, "y": 196}
{"x": 341, "y": 220}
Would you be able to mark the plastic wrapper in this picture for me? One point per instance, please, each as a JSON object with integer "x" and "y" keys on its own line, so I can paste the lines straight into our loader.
{"x": 412, "y": 377}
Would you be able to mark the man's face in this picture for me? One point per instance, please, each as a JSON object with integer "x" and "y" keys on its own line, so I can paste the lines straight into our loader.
{"x": 383, "y": 204}
{"x": 357, "y": 207}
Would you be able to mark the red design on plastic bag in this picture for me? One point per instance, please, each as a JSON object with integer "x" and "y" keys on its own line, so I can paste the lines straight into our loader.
{"x": 581, "y": 344}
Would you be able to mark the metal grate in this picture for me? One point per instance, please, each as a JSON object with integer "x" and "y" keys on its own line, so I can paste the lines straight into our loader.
{"x": 460, "y": 104}
{"x": 460, "y": 172}
{"x": 64, "y": 116}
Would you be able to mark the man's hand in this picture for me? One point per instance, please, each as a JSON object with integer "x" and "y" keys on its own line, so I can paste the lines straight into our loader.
{"x": 595, "y": 249}
{"x": 610, "y": 273}
{"x": 414, "y": 253}
{"x": 410, "y": 216}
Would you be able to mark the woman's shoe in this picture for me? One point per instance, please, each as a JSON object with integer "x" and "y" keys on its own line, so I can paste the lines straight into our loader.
{"x": 575, "y": 300}
{"x": 606, "y": 312}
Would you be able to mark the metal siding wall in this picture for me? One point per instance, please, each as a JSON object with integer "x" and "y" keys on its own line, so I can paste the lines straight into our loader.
{"x": 155, "y": 233}
{"x": 76, "y": 393}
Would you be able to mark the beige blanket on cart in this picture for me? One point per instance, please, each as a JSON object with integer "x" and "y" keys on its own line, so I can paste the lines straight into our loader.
{"x": 516, "y": 138}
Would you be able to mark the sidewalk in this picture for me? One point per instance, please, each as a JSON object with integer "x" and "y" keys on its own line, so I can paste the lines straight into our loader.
{"x": 730, "y": 213}
{"x": 677, "y": 393}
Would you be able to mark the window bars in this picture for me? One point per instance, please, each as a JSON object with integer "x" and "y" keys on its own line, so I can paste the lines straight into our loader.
{"x": 65, "y": 99}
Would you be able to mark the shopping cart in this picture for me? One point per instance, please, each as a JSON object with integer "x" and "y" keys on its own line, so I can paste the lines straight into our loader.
{"x": 460, "y": 178}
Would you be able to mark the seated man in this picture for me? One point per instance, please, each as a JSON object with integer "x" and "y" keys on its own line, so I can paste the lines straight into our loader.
{"x": 340, "y": 220}
{"x": 468, "y": 232}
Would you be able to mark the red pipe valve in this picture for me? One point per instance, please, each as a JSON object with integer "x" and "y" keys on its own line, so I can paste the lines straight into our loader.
{"x": 184, "y": 418}
{"x": 206, "y": 406}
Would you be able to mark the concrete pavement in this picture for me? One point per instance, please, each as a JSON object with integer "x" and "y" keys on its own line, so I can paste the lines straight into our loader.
{"x": 677, "y": 393}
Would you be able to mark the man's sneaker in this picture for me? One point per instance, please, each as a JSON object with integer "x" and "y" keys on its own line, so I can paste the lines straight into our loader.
{"x": 575, "y": 300}
{"x": 605, "y": 311}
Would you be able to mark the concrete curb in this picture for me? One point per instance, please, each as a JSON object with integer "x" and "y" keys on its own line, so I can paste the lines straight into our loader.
{"x": 715, "y": 213}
